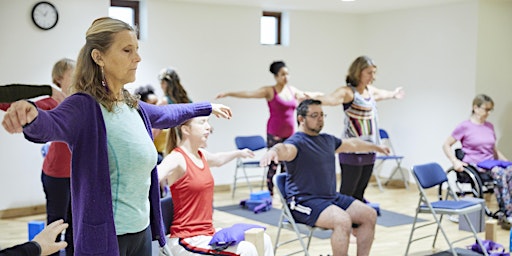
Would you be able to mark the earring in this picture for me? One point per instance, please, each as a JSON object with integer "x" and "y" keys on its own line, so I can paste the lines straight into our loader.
{"x": 103, "y": 80}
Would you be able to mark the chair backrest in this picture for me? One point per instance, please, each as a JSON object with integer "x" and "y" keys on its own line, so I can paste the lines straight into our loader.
{"x": 383, "y": 134}
{"x": 385, "y": 140}
{"x": 253, "y": 143}
{"x": 280, "y": 183}
{"x": 167, "y": 208}
{"x": 429, "y": 175}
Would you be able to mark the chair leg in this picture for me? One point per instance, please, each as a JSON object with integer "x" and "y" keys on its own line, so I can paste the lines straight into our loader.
{"x": 411, "y": 235}
{"x": 247, "y": 180}
{"x": 398, "y": 168}
{"x": 474, "y": 234}
{"x": 376, "y": 174}
{"x": 234, "y": 183}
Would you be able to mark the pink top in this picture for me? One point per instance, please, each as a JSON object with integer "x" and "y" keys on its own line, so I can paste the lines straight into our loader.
{"x": 478, "y": 141}
{"x": 281, "y": 122}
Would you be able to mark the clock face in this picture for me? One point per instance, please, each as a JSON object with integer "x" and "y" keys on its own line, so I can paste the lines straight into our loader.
{"x": 45, "y": 15}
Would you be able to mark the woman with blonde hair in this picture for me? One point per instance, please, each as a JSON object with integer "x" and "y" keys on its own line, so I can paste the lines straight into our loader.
{"x": 114, "y": 192}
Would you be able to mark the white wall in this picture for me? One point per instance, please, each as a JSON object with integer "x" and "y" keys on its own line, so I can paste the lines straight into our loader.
{"x": 493, "y": 76}
{"x": 432, "y": 52}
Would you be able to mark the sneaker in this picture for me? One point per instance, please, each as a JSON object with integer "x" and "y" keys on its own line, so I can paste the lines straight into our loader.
{"x": 454, "y": 218}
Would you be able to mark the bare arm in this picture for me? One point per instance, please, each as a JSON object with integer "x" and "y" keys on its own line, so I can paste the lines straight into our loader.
{"x": 458, "y": 165}
{"x": 279, "y": 152}
{"x": 221, "y": 158}
{"x": 301, "y": 95}
{"x": 358, "y": 145}
{"x": 171, "y": 168}
{"x": 339, "y": 96}
{"x": 380, "y": 94}
{"x": 263, "y": 92}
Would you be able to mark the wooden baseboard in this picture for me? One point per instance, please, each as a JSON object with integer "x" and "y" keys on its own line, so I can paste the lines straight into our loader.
{"x": 22, "y": 211}
{"x": 41, "y": 209}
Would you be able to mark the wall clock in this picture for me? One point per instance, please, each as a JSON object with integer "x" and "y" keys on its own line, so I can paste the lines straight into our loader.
{"x": 45, "y": 15}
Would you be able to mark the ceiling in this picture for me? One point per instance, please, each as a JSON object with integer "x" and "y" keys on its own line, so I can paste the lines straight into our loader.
{"x": 357, "y": 6}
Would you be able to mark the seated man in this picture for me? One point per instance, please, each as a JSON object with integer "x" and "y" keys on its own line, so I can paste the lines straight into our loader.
{"x": 311, "y": 181}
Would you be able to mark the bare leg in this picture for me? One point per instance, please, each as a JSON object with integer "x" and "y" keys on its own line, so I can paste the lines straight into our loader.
{"x": 339, "y": 221}
{"x": 366, "y": 217}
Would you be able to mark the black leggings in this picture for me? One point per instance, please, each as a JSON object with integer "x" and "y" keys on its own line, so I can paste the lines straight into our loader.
{"x": 58, "y": 206}
{"x": 135, "y": 244}
{"x": 354, "y": 179}
{"x": 272, "y": 167}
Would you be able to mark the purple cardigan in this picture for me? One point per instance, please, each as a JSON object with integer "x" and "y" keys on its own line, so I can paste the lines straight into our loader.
{"x": 78, "y": 121}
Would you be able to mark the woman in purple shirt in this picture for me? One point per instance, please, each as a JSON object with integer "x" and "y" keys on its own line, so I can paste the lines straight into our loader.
{"x": 109, "y": 133}
{"x": 478, "y": 140}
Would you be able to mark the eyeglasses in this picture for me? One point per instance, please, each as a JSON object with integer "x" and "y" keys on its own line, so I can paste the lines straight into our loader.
{"x": 317, "y": 115}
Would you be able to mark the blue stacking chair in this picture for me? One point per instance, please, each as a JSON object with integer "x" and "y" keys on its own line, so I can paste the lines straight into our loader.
{"x": 431, "y": 175}
{"x": 253, "y": 143}
{"x": 397, "y": 159}
{"x": 287, "y": 221}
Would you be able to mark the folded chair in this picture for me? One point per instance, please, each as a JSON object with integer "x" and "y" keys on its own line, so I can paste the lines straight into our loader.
{"x": 253, "y": 143}
{"x": 431, "y": 175}
{"x": 286, "y": 220}
{"x": 393, "y": 157}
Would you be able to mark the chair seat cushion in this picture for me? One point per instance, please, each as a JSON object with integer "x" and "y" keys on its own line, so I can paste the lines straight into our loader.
{"x": 489, "y": 164}
{"x": 451, "y": 204}
{"x": 389, "y": 157}
{"x": 231, "y": 235}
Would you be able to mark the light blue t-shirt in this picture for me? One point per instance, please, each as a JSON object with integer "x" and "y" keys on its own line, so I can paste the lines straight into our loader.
{"x": 131, "y": 156}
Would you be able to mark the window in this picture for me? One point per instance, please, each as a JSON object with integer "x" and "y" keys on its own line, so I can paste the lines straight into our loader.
{"x": 127, "y": 11}
{"x": 270, "y": 30}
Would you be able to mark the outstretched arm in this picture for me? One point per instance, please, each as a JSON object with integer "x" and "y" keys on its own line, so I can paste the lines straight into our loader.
{"x": 263, "y": 92}
{"x": 221, "y": 158}
{"x": 380, "y": 94}
{"x": 341, "y": 95}
{"x": 358, "y": 145}
{"x": 301, "y": 95}
{"x": 279, "y": 152}
{"x": 14, "y": 92}
{"x": 458, "y": 165}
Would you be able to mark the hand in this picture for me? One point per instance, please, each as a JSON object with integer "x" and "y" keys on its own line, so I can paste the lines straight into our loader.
{"x": 399, "y": 93}
{"x": 46, "y": 239}
{"x": 244, "y": 153}
{"x": 58, "y": 95}
{"x": 270, "y": 156}
{"x": 220, "y": 110}
{"x": 459, "y": 165}
{"x": 384, "y": 150}
{"x": 220, "y": 95}
{"x": 19, "y": 114}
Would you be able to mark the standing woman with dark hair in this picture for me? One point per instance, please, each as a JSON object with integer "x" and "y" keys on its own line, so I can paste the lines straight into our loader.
{"x": 171, "y": 85}
{"x": 282, "y": 99}
{"x": 359, "y": 98}
{"x": 115, "y": 193}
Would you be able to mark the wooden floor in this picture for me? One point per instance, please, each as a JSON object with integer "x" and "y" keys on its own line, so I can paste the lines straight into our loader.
{"x": 388, "y": 241}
